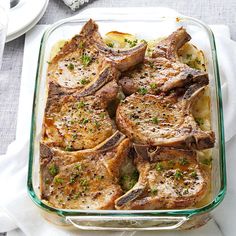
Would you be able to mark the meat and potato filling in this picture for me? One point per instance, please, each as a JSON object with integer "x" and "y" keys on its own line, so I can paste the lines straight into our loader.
{"x": 127, "y": 123}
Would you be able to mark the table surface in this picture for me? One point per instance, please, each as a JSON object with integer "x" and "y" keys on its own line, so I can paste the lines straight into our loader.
{"x": 209, "y": 11}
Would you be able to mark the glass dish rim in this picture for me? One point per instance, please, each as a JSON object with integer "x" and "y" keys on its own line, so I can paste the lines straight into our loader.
{"x": 170, "y": 212}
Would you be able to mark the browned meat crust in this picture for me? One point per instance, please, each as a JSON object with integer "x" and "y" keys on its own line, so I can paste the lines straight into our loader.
{"x": 83, "y": 179}
{"x": 173, "y": 179}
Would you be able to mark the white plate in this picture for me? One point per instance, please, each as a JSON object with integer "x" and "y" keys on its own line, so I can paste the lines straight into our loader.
{"x": 24, "y": 16}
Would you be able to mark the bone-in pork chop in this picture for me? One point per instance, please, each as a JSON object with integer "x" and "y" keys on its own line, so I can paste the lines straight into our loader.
{"x": 85, "y": 179}
{"x": 163, "y": 71}
{"x": 85, "y": 63}
{"x": 74, "y": 123}
{"x": 162, "y": 121}
{"x": 172, "y": 179}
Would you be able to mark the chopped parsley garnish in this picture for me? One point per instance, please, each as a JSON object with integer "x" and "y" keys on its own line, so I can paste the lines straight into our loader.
{"x": 84, "y": 81}
{"x": 74, "y": 136}
{"x": 83, "y": 182}
{"x": 77, "y": 195}
{"x": 97, "y": 124}
{"x": 206, "y": 161}
{"x": 155, "y": 120}
{"x": 129, "y": 180}
{"x": 154, "y": 191}
{"x": 102, "y": 115}
{"x": 178, "y": 174}
{"x": 159, "y": 167}
{"x": 111, "y": 45}
{"x": 81, "y": 45}
{"x": 69, "y": 148}
{"x": 78, "y": 166}
{"x": 85, "y": 121}
{"x": 72, "y": 180}
{"x": 86, "y": 59}
{"x": 71, "y": 66}
{"x": 153, "y": 85}
{"x": 131, "y": 43}
{"x": 185, "y": 191}
{"x": 99, "y": 177}
{"x": 193, "y": 174}
{"x": 58, "y": 180}
{"x": 142, "y": 91}
{"x": 81, "y": 104}
{"x": 183, "y": 162}
{"x": 53, "y": 170}
{"x": 199, "y": 121}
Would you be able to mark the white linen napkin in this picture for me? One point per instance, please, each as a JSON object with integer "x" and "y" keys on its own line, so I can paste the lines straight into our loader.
{"x": 19, "y": 211}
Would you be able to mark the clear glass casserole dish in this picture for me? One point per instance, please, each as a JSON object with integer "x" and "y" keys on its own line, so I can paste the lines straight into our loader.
{"x": 189, "y": 218}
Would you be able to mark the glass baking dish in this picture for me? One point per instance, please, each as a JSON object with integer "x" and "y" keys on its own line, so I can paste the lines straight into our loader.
{"x": 146, "y": 28}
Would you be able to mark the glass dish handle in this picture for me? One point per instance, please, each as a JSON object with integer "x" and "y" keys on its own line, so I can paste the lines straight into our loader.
{"x": 127, "y": 222}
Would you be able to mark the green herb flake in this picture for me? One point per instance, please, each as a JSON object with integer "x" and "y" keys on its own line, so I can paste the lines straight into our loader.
{"x": 81, "y": 45}
{"x": 78, "y": 166}
{"x": 193, "y": 174}
{"x": 185, "y": 191}
{"x": 85, "y": 121}
{"x": 143, "y": 41}
{"x": 178, "y": 174}
{"x": 128, "y": 181}
{"x": 53, "y": 170}
{"x": 155, "y": 120}
{"x": 81, "y": 104}
{"x": 83, "y": 182}
{"x": 47, "y": 181}
{"x": 131, "y": 43}
{"x": 97, "y": 124}
{"x": 72, "y": 180}
{"x": 100, "y": 177}
{"x": 111, "y": 45}
{"x": 84, "y": 81}
{"x": 154, "y": 191}
{"x": 159, "y": 167}
{"x": 58, "y": 180}
{"x": 71, "y": 66}
{"x": 68, "y": 148}
{"x": 199, "y": 121}
{"x": 183, "y": 162}
{"x": 206, "y": 161}
{"x": 77, "y": 195}
{"x": 102, "y": 115}
{"x": 85, "y": 59}
{"x": 153, "y": 85}
{"x": 142, "y": 91}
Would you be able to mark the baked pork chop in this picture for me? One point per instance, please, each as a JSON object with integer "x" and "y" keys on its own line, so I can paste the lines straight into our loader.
{"x": 85, "y": 179}
{"x": 74, "y": 123}
{"x": 85, "y": 63}
{"x": 173, "y": 179}
{"x": 163, "y": 121}
{"x": 163, "y": 71}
